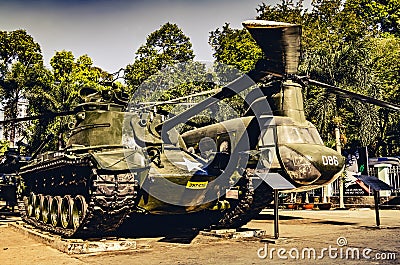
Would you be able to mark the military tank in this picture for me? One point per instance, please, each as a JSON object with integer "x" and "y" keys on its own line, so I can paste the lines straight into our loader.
{"x": 115, "y": 164}
{"x": 85, "y": 189}
{"x": 10, "y": 163}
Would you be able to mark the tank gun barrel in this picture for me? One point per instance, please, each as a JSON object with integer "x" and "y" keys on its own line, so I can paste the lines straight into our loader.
{"x": 38, "y": 117}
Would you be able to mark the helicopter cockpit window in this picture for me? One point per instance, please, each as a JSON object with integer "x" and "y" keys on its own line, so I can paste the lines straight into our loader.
{"x": 298, "y": 135}
{"x": 315, "y": 135}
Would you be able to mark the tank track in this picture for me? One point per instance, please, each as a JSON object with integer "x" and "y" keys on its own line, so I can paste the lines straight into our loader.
{"x": 251, "y": 203}
{"x": 108, "y": 200}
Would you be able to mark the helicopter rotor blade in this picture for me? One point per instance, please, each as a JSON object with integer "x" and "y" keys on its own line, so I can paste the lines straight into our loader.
{"x": 235, "y": 87}
{"x": 349, "y": 94}
{"x": 279, "y": 41}
{"x": 303, "y": 80}
{"x": 167, "y": 113}
{"x": 174, "y": 101}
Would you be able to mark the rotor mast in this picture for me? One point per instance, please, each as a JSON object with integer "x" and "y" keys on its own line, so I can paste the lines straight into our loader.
{"x": 280, "y": 43}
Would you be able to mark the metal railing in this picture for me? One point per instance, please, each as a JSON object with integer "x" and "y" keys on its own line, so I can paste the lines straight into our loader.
{"x": 394, "y": 178}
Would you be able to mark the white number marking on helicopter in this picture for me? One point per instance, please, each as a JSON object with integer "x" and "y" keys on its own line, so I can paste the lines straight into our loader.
{"x": 330, "y": 160}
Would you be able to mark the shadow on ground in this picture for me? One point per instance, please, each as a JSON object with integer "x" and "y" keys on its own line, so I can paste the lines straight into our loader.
{"x": 333, "y": 222}
{"x": 271, "y": 217}
{"x": 179, "y": 228}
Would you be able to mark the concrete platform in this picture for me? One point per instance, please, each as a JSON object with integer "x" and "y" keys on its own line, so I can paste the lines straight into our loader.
{"x": 255, "y": 234}
{"x": 73, "y": 246}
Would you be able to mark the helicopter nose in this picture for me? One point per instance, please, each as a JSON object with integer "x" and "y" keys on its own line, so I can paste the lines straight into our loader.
{"x": 310, "y": 163}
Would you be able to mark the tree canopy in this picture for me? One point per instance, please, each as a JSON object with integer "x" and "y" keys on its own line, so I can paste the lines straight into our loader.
{"x": 65, "y": 79}
{"x": 166, "y": 46}
{"x": 21, "y": 65}
{"x": 23, "y": 77}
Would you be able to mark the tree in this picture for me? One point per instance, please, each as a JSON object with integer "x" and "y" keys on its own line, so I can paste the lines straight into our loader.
{"x": 20, "y": 63}
{"x": 382, "y": 15}
{"x": 343, "y": 48}
{"x": 286, "y": 11}
{"x": 386, "y": 76}
{"x": 61, "y": 93}
{"x": 234, "y": 47}
{"x": 17, "y": 46}
{"x": 165, "y": 46}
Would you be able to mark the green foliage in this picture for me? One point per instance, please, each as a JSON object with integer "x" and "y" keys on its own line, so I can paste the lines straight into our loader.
{"x": 165, "y": 46}
{"x": 385, "y": 59}
{"x": 234, "y": 47}
{"x": 20, "y": 57}
{"x": 4, "y": 144}
{"x": 18, "y": 46}
{"x": 382, "y": 15}
{"x": 285, "y": 11}
{"x": 61, "y": 93}
{"x": 341, "y": 47}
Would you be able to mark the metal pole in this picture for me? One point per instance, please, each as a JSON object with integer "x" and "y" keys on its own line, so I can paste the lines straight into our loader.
{"x": 341, "y": 188}
{"x": 376, "y": 200}
{"x": 276, "y": 214}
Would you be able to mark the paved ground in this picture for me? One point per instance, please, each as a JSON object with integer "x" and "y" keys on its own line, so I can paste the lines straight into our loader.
{"x": 306, "y": 231}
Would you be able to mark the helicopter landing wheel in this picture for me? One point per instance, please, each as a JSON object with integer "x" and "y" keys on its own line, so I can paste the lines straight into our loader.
{"x": 78, "y": 211}
{"x": 55, "y": 211}
{"x": 37, "y": 206}
{"x": 66, "y": 211}
{"x": 46, "y": 208}
{"x": 31, "y": 202}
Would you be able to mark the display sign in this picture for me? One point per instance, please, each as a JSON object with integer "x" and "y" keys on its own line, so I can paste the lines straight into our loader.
{"x": 374, "y": 182}
{"x": 356, "y": 164}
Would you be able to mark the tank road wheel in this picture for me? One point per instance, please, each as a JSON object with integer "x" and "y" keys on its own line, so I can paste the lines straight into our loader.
{"x": 31, "y": 202}
{"x": 46, "y": 208}
{"x": 37, "y": 207}
{"x": 66, "y": 211}
{"x": 55, "y": 211}
{"x": 78, "y": 211}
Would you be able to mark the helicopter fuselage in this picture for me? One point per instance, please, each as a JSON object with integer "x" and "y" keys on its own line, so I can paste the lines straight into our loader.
{"x": 277, "y": 138}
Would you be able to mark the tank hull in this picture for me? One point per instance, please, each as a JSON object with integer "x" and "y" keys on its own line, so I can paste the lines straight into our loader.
{"x": 73, "y": 196}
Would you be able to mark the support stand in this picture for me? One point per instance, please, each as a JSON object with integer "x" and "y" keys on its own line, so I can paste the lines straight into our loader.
{"x": 376, "y": 200}
{"x": 276, "y": 214}
{"x": 376, "y": 185}
{"x": 276, "y": 182}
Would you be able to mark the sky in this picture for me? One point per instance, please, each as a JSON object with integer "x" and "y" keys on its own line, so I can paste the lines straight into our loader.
{"x": 110, "y": 31}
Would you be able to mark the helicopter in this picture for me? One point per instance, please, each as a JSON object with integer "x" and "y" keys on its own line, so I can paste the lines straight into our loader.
{"x": 124, "y": 159}
{"x": 283, "y": 143}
